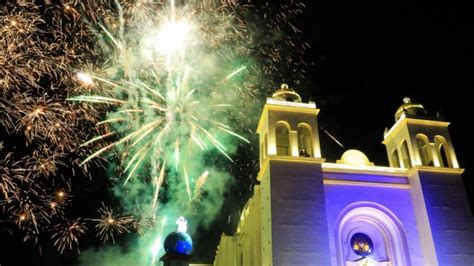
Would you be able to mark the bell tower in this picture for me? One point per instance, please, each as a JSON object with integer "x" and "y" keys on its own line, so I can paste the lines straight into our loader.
{"x": 288, "y": 127}
{"x": 419, "y": 140}
{"x": 290, "y": 193}
{"x": 422, "y": 145}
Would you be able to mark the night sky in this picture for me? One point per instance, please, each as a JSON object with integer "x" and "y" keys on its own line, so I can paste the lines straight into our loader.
{"x": 366, "y": 56}
{"x": 369, "y": 55}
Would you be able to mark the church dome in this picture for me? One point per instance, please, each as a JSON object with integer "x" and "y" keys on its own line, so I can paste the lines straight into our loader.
{"x": 409, "y": 108}
{"x": 285, "y": 93}
{"x": 354, "y": 157}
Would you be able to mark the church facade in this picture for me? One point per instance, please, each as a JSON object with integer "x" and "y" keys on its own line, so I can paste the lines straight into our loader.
{"x": 306, "y": 211}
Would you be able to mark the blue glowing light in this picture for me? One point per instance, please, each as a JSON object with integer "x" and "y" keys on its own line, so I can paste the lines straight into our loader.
{"x": 178, "y": 243}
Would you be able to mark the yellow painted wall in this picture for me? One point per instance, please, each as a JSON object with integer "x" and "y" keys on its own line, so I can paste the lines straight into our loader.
{"x": 251, "y": 244}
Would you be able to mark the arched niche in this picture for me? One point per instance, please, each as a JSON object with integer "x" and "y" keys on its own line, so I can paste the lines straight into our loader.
{"x": 405, "y": 155}
{"x": 305, "y": 140}
{"x": 381, "y": 225}
{"x": 443, "y": 151}
{"x": 395, "y": 159}
{"x": 423, "y": 145}
{"x": 282, "y": 137}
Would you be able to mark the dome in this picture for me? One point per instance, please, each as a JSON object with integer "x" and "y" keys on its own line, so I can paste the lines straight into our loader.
{"x": 409, "y": 108}
{"x": 285, "y": 93}
{"x": 354, "y": 157}
{"x": 178, "y": 243}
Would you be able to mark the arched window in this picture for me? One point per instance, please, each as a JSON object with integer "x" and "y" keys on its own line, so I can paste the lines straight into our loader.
{"x": 443, "y": 158}
{"x": 442, "y": 149}
{"x": 406, "y": 155}
{"x": 367, "y": 231}
{"x": 422, "y": 143}
{"x": 282, "y": 134}
{"x": 305, "y": 141}
{"x": 395, "y": 159}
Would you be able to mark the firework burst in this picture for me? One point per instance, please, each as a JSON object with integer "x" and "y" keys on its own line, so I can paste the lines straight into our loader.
{"x": 171, "y": 77}
{"x": 10, "y": 173}
{"x": 67, "y": 234}
{"x": 41, "y": 131}
{"x": 43, "y": 163}
{"x": 110, "y": 224}
{"x": 25, "y": 57}
{"x": 162, "y": 86}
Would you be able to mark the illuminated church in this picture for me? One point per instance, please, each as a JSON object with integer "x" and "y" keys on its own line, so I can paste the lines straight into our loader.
{"x": 306, "y": 211}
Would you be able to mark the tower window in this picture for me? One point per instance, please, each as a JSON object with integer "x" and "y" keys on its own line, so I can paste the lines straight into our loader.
{"x": 443, "y": 158}
{"x": 305, "y": 146}
{"x": 405, "y": 155}
{"x": 282, "y": 132}
{"x": 442, "y": 149}
{"x": 395, "y": 158}
{"x": 422, "y": 143}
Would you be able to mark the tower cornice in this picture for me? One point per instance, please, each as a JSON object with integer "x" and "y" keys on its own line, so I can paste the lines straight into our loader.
{"x": 412, "y": 121}
{"x": 291, "y": 107}
{"x": 431, "y": 169}
{"x": 305, "y": 160}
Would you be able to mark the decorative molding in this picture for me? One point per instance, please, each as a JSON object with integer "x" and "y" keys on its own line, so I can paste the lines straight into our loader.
{"x": 365, "y": 184}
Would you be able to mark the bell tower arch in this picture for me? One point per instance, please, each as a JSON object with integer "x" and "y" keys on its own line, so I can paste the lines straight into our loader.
{"x": 288, "y": 127}
{"x": 419, "y": 140}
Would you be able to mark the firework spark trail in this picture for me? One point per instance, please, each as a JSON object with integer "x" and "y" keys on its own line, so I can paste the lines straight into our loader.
{"x": 24, "y": 60}
{"x": 200, "y": 182}
{"x": 10, "y": 172}
{"x": 158, "y": 181}
{"x": 156, "y": 246}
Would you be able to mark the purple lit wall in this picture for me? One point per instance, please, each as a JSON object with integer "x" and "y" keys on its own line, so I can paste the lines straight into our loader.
{"x": 299, "y": 228}
{"x": 396, "y": 200}
{"x": 417, "y": 220}
{"x": 451, "y": 221}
